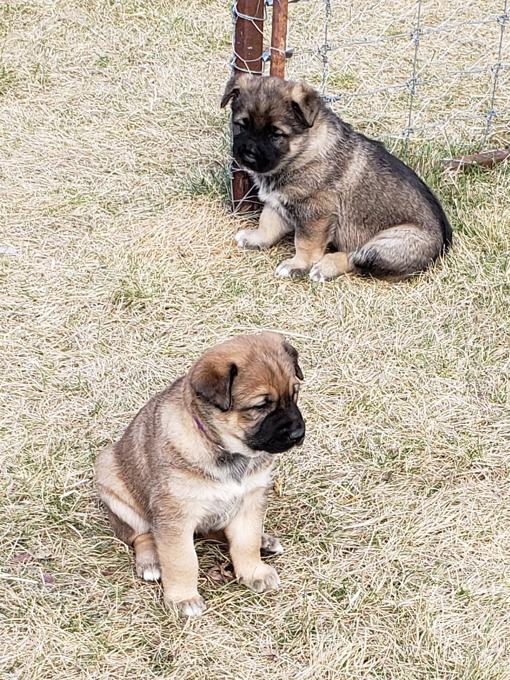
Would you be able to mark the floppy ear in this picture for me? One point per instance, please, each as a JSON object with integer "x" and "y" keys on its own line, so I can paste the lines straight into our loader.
{"x": 305, "y": 104}
{"x": 234, "y": 87}
{"x": 212, "y": 380}
{"x": 231, "y": 91}
{"x": 293, "y": 353}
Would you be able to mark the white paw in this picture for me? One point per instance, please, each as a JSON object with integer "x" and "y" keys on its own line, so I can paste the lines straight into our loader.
{"x": 316, "y": 274}
{"x": 261, "y": 579}
{"x": 148, "y": 570}
{"x": 289, "y": 269}
{"x": 151, "y": 573}
{"x": 283, "y": 269}
{"x": 269, "y": 545}
{"x": 247, "y": 238}
{"x": 195, "y": 606}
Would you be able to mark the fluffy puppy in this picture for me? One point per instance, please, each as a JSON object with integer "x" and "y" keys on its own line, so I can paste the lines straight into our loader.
{"x": 197, "y": 458}
{"x": 333, "y": 188}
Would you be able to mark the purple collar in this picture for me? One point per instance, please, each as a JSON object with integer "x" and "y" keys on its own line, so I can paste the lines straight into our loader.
{"x": 224, "y": 457}
{"x": 199, "y": 424}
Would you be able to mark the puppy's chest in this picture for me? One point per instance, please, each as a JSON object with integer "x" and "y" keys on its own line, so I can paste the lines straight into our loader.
{"x": 274, "y": 198}
{"x": 219, "y": 502}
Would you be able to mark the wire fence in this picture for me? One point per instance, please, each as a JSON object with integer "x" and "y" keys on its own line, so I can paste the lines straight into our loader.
{"x": 430, "y": 70}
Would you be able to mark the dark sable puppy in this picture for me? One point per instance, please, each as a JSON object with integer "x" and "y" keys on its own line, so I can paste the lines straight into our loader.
{"x": 331, "y": 186}
{"x": 197, "y": 458}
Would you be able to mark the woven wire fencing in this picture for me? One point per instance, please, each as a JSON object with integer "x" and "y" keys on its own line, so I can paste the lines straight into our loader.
{"x": 428, "y": 70}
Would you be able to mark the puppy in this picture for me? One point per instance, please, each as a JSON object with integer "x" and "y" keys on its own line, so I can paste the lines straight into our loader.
{"x": 332, "y": 187}
{"x": 197, "y": 459}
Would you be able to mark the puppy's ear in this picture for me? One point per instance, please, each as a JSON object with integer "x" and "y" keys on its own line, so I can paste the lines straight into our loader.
{"x": 212, "y": 380}
{"x": 234, "y": 87}
{"x": 293, "y": 353}
{"x": 305, "y": 104}
{"x": 231, "y": 91}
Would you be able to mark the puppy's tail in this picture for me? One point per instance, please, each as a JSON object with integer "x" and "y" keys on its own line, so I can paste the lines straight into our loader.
{"x": 398, "y": 252}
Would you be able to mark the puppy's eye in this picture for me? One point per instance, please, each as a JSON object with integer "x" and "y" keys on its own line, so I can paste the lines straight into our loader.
{"x": 276, "y": 132}
{"x": 242, "y": 123}
{"x": 264, "y": 406}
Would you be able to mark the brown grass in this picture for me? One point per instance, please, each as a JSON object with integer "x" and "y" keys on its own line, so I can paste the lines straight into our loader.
{"x": 395, "y": 515}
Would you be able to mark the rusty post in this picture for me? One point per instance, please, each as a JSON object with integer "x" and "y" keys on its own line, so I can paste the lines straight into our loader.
{"x": 279, "y": 37}
{"x": 248, "y": 46}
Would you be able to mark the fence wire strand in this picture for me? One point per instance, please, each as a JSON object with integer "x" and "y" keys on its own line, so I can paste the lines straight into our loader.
{"x": 498, "y": 66}
{"x": 414, "y": 72}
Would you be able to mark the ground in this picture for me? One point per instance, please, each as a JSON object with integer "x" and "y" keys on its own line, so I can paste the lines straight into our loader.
{"x": 395, "y": 515}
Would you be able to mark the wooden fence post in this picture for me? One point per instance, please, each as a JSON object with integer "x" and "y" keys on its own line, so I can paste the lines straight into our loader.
{"x": 279, "y": 37}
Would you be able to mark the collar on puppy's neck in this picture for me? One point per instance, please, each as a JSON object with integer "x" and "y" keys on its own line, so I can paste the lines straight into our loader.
{"x": 224, "y": 457}
{"x": 199, "y": 424}
{"x": 201, "y": 427}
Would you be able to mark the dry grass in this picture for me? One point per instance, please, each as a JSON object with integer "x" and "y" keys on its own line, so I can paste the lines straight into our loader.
{"x": 396, "y": 513}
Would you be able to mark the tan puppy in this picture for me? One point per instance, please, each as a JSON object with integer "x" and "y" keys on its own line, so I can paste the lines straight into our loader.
{"x": 197, "y": 459}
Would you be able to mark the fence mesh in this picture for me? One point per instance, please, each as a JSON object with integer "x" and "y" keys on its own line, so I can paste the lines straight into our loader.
{"x": 427, "y": 70}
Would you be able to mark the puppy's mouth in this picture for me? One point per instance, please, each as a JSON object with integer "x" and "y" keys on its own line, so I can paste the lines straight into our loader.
{"x": 254, "y": 164}
{"x": 280, "y": 431}
{"x": 249, "y": 159}
{"x": 252, "y": 160}
{"x": 275, "y": 444}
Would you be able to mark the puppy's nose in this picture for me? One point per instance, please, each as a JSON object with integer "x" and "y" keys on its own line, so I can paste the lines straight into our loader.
{"x": 297, "y": 433}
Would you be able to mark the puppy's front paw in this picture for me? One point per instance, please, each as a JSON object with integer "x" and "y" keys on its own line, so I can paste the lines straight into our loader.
{"x": 261, "y": 578}
{"x": 269, "y": 545}
{"x": 316, "y": 273}
{"x": 249, "y": 239}
{"x": 193, "y": 607}
{"x": 290, "y": 269}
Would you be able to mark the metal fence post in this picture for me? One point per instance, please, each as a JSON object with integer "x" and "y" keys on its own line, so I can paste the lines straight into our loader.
{"x": 248, "y": 49}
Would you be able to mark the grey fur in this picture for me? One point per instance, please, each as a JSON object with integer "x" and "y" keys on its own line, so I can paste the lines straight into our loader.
{"x": 332, "y": 186}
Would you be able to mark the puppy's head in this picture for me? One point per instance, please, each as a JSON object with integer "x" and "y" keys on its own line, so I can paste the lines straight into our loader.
{"x": 248, "y": 389}
{"x": 272, "y": 119}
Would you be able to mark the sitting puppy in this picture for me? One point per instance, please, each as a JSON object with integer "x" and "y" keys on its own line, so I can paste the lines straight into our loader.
{"x": 333, "y": 187}
{"x": 197, "y": 459}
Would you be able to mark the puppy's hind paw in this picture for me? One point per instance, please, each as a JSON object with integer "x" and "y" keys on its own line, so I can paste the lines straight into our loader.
{"x": 261, "y": 578}
{"x": 149, "y": 571}
{"x": 191, "y": 608}
{"x": 316, "y": 274}
{"x": 289, "y": 269}
{"x": 330, "y": 266}
{"x": 269, "y": 545}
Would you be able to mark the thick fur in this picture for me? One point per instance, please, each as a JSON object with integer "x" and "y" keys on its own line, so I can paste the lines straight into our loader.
{"x": 331, "y": 186}
{"x": 196, "y": 459}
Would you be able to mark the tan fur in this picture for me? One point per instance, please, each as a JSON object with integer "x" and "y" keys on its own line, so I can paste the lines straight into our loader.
{"x": 330, "y": 266}
{"x": 166, "y": 479}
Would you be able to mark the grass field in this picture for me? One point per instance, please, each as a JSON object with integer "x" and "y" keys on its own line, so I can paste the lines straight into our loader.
{"x": 395, "y": 515}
